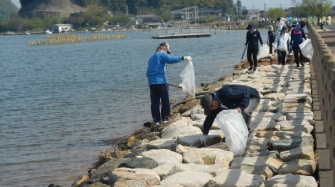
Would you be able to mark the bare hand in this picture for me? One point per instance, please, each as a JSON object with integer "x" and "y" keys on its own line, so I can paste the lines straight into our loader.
{"x": 239, "y": 110}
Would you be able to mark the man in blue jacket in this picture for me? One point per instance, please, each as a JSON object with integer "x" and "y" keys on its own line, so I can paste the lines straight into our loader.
{"x": 297, "y": 35}
{"x": 244, "y": 99}
{"x": 158, "y": 83}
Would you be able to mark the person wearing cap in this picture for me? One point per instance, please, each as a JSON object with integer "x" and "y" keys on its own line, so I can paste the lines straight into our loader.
{"x": 282, "y": 45}
{"x": 158, "y": 83}
{"x": 252, "y": 38}
{"x": 243, "y": 98}
{"x": 297, "y": 36}
{"x": 303, "y": 26}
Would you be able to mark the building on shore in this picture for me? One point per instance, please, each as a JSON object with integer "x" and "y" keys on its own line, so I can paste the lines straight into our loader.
{"x": 58, "y": 28}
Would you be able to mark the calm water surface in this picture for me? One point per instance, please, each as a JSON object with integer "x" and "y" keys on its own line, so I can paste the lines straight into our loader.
{"x": 60, "y": 104}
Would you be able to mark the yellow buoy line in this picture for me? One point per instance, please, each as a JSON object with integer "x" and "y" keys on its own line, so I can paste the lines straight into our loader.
{"x": 70, "y": 38}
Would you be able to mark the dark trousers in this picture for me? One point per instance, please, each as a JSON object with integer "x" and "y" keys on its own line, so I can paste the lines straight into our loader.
{"x": 158, "y": 93}
{"x": 270, "y": 47}
{"x": 252, "y": 56}
{"x": 281, "y": 57}
{"x": 253, "y": 103}
{"x": 297, "y": 56}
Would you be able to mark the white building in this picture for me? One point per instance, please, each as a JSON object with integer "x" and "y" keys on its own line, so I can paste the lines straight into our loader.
{"x": 57, "y": 28}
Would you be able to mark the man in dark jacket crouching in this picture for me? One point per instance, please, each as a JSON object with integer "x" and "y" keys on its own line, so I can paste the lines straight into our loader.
{"x": 244, "y": 99}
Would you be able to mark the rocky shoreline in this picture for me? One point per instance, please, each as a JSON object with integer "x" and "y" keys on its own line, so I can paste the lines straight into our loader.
{"x": 280, "y": 147}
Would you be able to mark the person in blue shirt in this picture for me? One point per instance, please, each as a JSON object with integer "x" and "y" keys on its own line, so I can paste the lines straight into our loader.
{"x": 252, "y": 38}
{"x": 243, "y": 98}
{"x": 158, "y": 83}
{"x": 297, "y": 35}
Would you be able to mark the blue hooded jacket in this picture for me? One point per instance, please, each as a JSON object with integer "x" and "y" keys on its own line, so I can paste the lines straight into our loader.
{"x": 297, "y": 36}
{"x": 156, "y": 71}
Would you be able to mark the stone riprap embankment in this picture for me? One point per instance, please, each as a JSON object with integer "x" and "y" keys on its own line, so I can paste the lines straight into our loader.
{"x": 279, "y": 152}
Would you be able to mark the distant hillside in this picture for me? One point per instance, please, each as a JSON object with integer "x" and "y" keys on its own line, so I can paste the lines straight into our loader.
{"x": 7, "y": 8}
{"x": 63, "y": 8}
{"x": 46, "y": 8}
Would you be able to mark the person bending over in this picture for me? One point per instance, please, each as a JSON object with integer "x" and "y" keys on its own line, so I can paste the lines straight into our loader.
{"x": 244, "y": 99}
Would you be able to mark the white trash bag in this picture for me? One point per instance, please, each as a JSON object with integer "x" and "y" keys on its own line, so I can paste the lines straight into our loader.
{"x": 235, "y": 130}
{"x": 307, "y": 48}
{"x": 263, "y": 51}
{"x": 187, "y": 75}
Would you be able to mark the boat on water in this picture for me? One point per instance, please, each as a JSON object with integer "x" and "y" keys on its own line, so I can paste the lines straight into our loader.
{"x": 184, "y": 29}
{"x": 168, "y": 33}
{"x": 9, "y": 33}
{"x": 48, "y": 31}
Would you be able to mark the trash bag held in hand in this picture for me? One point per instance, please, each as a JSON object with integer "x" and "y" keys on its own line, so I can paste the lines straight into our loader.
{"x": 307, "y": 48}
{"x": 234, "y": 129}
{"x": 263, "y": 51}
{"x": 188, "y": 84}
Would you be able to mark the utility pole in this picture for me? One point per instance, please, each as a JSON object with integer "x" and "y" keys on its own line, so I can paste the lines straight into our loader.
{"x": 321, "y": 24}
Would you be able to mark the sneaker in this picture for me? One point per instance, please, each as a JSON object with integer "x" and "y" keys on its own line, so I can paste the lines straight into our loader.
{"x": 157, "y": 123}
{"x": 165, "y": 121}
{"x": 250, "y": 68}
{"x": 254, "y": 69}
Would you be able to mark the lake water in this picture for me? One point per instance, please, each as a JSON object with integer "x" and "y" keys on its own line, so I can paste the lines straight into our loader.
{"x": 60, "y": 104}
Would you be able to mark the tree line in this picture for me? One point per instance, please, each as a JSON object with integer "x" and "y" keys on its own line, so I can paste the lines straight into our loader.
{"x": 120, "y": 12}
{"x": 158, "y": 7}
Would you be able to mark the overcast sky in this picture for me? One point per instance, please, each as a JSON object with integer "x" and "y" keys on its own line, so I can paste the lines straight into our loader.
{"x": 259, "y": 4}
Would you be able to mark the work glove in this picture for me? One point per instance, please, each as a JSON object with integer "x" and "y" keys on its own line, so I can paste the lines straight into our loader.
{"x": 188, "y": 58}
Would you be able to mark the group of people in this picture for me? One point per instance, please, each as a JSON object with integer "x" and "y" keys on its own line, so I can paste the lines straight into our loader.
{"x": 288, "y": 38}
{"x": 244, "y": 99}
{"x": 284, "y": 38}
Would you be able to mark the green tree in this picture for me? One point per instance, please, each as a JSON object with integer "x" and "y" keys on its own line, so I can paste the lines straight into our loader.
{"x": 121, "y": 20}
{"x": 238, "y": 7}
{"x": 95, "y": 15}
{"x": 315, "y": 7}
{"x": 77, "y": 20}
{"x": 275, "y": 13}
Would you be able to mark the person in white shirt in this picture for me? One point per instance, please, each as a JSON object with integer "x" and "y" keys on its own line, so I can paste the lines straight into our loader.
{"x": 282, "y": 43}
{"x": 279, "y": 26}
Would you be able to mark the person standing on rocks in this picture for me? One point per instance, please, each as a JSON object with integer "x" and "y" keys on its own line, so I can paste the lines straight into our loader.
{"x": 271, "y": 38}
{"x": 252, "y": 38}
{"x": 297, "y": 35}
{"x": 243, "y": 98}
{"x": 158, "y": 83}
{"x": 282, "y": 42}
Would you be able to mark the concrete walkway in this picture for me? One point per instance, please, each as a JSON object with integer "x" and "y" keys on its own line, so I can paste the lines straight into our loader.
{"x": 279, "y": 150}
